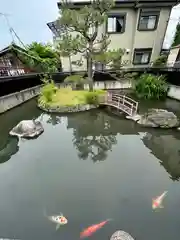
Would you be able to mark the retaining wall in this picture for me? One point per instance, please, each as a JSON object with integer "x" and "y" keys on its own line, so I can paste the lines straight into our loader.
{"x": 14, "y": 99}
{"x": 174, "y": 92}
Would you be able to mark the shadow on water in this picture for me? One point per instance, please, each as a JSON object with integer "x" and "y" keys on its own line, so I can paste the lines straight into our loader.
{"x": 9, "y": 145}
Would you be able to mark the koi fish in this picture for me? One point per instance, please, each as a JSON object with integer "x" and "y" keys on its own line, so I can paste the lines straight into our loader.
{"x": 58, "y": 219}
{"x": 92, "y": 229}
{"x": 157, "y": 202}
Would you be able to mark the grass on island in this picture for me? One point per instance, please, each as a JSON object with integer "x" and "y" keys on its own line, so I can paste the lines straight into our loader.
{"x": 69, "y": 97}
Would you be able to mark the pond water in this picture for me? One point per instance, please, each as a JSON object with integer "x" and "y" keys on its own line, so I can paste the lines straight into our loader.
{"x": 89, "y": 166}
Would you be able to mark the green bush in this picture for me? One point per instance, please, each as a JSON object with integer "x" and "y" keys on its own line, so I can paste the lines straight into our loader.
{"x": 149, "y": 86}
{"x": 160, "y": 61}
{"x": 47, "y": 91}
{"x": 94, "y": 97}
{"x": 77, "y": 80}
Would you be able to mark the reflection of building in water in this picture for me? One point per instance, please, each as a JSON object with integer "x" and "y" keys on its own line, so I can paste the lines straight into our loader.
{"x": 167, "y": 149}
{"x": 8, "y": 149}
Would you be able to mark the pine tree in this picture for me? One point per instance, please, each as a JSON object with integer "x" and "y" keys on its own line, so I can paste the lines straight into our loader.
{"x": 86, "y": 23}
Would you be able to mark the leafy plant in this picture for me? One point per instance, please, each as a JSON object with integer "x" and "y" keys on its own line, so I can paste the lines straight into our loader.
{"x": 160, "y": 61}
{"x": 47, "y": 92}
{"x": 149, "y": 86}
{"x": 76, "y": 80}
{"x": 94, "y": 97}
{"x": 40, "y": 57}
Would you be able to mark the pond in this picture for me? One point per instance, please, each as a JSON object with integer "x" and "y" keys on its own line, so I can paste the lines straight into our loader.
{"x": 90, "y": 166}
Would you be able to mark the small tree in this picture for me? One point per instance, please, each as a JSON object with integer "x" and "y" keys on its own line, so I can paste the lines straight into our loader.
{"x": 176, "y": 40}
{"x": 67, "y": 47}
{"x": 40, "y": 57}
{"x": 86, "y": 23}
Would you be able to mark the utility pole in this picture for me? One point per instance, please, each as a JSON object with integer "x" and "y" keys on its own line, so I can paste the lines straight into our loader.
{"x": 11, "y": 30}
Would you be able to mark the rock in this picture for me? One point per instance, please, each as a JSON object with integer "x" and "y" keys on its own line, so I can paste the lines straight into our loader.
{"x": 135, "y": 118}
{"x": 121, "y": 235}
{"x": 159, "y": 118}
{"x": 27, "y": 129}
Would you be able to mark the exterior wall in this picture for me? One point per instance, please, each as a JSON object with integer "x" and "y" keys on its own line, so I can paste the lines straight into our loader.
{"x": 126, "y": 39}
{"x": 174, "y": 92}
{"x": 10, "y": 65}
{"x": 172, "y": 56}
{"x": 12, "y": 100}
{"x": 152, "y": 39}
{"x": 132, "y": 38}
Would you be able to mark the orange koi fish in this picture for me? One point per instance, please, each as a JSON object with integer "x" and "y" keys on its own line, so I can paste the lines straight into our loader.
{"x": 157, "y": 202}
{"x": 92, "y": 229}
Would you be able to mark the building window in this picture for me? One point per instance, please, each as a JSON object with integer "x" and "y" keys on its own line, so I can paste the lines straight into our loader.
{"x": 148, "y": 20}
{"x": 97, "y": 66}
{"x": 116, "y": 23}
{"x": 142, "y": 56}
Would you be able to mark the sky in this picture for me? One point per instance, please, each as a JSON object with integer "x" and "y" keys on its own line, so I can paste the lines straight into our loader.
{"x": 29, "y": 19}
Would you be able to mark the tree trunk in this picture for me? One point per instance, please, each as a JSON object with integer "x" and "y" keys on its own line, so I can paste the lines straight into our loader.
{"x": 89, "y": 67}
{"x": 70, "y": 64}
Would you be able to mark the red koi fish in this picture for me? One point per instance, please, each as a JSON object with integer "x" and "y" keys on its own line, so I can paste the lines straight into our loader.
{"x": 157, "y": 202}
{"x": 92, "y": 229}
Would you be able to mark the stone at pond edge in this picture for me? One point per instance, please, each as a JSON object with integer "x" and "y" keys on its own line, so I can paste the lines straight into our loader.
{"x": 67, "y": 109}
{"x": 27, "y": 129}
{"x": 121, "y": 235}
{"x": 159, "y": 118}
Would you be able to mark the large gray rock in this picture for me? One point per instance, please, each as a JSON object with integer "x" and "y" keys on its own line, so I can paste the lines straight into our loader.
{"x": 121, "y": 235}
{"x": 27, "y": 129}
{"x": 159, "y": 118}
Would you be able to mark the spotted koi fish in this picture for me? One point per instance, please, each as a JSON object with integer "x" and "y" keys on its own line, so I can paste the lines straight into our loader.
{"x": 157, "y": 202}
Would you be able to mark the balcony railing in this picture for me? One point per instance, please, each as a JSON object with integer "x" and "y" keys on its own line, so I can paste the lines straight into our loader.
{"x": 13, "y": 71}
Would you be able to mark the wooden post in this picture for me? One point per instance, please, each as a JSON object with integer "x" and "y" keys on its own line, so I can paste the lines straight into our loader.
{"x": 131, "y": 109}
{"x": 123, "y": 99}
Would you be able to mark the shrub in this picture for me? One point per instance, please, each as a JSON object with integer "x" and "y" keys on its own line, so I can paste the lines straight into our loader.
{"x": 47, "y": 91}
{"x": 160, "y": 61}
{"x": 77, "y": 80}
{"x": 92, "y": 98}
{"x": 149, "y": 86}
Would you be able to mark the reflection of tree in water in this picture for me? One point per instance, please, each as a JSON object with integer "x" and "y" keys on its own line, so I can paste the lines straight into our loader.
{"x": 9, "y": 148}
{"x": 54, "y": 119}
{"x": 167, "y": 149}
{"x": 93, "y": 135}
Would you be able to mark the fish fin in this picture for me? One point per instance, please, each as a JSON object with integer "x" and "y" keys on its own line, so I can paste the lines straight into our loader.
{"x": 161, "y": 206}
{"x": 58, "y": 226}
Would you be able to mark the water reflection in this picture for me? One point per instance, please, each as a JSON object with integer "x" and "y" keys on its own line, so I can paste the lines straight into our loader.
{"x": 8, "y": 149}
{"x": 54, "y": 119}
{"x": 93, "y": 135}
{"x": 9, "y": 145}
{"x": 166, "y": 147}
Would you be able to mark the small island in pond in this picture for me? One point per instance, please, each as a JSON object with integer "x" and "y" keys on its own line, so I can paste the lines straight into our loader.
{"x": 54, "y": 99}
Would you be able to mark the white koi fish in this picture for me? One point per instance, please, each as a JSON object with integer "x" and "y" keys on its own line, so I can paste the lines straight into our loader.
{"x": 157, "y": 202}
{"x": 58, "y": 219}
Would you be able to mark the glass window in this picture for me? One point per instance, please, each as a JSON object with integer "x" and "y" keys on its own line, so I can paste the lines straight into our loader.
{"x": 116, "y": 24}
{"x": 148, "y": 20}
{"x": 142, "y": 56}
